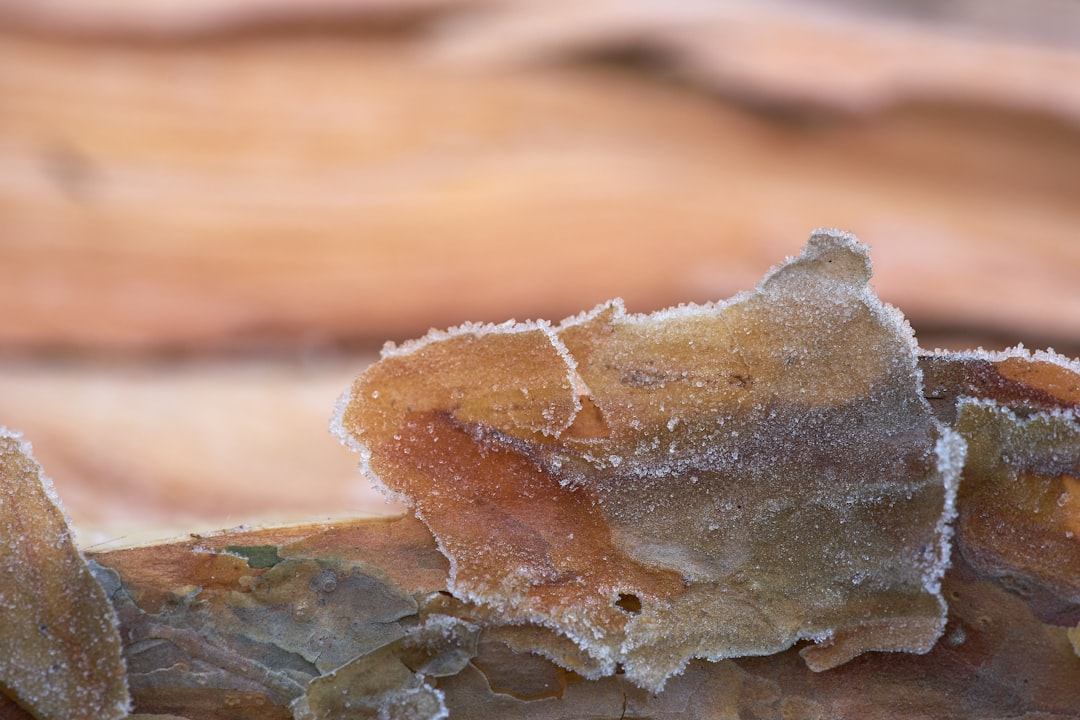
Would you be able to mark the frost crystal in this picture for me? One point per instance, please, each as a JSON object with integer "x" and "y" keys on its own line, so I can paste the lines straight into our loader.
{"x": 752, "y": 473}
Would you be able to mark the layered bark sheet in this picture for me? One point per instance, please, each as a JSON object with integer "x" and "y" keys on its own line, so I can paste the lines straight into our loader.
{"x": 704, "y": 482}
{"x": 59, "y": 642}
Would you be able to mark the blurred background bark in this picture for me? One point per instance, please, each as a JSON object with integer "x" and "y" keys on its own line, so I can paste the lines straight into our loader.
{"x": 213, "y": 213}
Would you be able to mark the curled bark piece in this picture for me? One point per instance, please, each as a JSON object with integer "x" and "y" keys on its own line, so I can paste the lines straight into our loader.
{"x": 61, "y": 656}
{"x": 1020, "y": 521}
{"x": 703, "y": 482}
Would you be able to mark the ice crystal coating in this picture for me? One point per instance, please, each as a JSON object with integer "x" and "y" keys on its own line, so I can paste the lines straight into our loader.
{"x": 1021, "y": 494}
{"x": 61, "y": 655}
{"x": 703, "y": 482}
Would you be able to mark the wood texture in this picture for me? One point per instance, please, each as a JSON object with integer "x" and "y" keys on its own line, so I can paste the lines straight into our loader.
{"x": 149, "y": 451}
{"x": 256, "y": 187}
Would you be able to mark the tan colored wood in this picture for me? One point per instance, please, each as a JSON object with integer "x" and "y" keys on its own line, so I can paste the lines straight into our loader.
{"x": 856, "y": 57}
{"x": 162, "y": 19}
{"x": 147, "y": 452}
{"x": 274, "y": 188}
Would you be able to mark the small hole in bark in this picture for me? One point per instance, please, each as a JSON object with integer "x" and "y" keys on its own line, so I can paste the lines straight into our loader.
{"x": 628, "y": 603}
